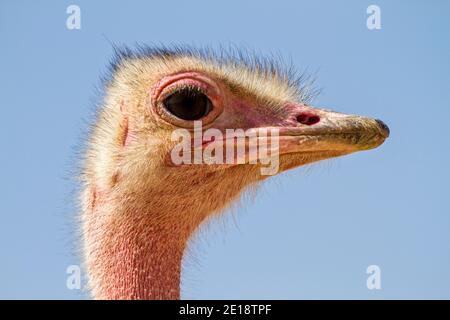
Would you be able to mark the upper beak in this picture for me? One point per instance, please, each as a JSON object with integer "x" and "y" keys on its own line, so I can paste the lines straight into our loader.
{"x": 332, "y": 132}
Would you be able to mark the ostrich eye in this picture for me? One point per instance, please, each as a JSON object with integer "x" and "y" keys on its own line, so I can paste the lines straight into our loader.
{"x": 188, "y": 104}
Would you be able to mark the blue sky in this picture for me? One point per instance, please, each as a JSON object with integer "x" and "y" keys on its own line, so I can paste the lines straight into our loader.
{"x": 310, "y": 233}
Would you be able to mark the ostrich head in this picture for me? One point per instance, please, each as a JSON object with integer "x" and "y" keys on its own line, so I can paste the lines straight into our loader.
{"x": 139, "y": 208}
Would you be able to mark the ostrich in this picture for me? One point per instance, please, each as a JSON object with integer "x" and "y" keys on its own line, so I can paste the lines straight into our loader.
{"x": 138, "y": 208}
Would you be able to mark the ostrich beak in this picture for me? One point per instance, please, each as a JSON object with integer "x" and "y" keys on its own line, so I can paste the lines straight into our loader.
{"x": 323, "y": 131}
{"x": 316, "y": 134}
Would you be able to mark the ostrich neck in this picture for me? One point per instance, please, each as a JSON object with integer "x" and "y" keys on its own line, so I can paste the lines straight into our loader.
{"x": 130, "y": 256}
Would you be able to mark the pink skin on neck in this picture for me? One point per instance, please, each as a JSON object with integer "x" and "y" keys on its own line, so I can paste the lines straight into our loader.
{"x": 129, "y": 258}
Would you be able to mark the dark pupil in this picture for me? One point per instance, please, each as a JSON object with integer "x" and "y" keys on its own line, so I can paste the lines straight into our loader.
{"x": 188, "y": 104}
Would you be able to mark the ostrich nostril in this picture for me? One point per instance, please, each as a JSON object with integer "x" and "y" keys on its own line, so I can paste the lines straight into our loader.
{"x": 308, "y": 119}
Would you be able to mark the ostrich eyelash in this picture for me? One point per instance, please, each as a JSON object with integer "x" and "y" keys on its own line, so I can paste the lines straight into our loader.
{"x": 180, "y": 87}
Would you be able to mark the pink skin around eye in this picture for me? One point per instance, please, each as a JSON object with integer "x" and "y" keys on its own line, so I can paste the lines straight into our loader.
{"x": 169, "y": 84}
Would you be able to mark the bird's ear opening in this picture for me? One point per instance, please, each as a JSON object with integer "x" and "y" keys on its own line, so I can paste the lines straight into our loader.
{"x": 124, "y": 136}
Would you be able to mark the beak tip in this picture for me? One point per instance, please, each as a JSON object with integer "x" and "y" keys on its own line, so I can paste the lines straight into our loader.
{"x": 383, "y": 127}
